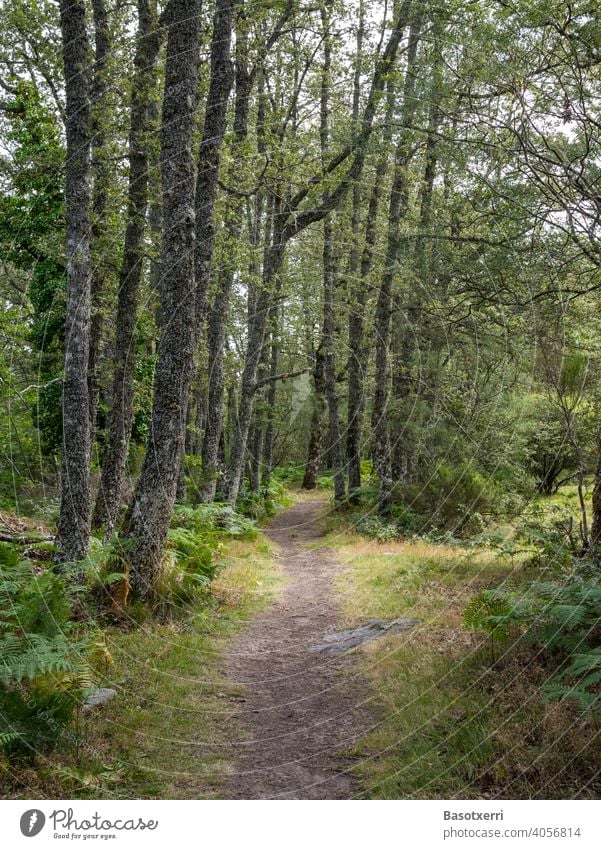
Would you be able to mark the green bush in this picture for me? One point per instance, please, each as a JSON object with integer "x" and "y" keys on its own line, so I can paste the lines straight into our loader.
{"x": 46, "y": 666}
{"x": 377, "y": 528}
{"x": 451, "y": 498}
{"x": 260, "y": 505}
{"x": 214, "y": 521}
{"x": 195, "y": 538}
{"x": 564, "y": 621}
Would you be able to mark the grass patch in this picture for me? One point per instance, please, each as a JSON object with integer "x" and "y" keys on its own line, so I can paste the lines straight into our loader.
{"x": 167, "y": 733}
{"x": 451, "y": 723}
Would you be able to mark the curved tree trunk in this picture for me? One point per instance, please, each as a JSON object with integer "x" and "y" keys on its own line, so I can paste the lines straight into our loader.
{"x": 359, "y": 287}
{"x": 256, "y": 339}
{"x": 209, "y": 164}
{"x": 288, "y": 223}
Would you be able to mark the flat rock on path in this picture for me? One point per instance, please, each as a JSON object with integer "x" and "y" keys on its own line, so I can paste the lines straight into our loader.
{"x": 342, "y": 641}
{"x": 302, "y": 707}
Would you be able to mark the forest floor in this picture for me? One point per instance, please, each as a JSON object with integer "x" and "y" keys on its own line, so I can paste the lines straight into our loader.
{"x": 304, "y": 708}
{"x": 228, "y": 699}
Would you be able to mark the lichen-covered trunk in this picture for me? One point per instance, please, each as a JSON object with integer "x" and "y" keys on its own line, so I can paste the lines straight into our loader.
{"x": 399, "y": 199}
{"x": 329, "y": 346}
{"x": 216, "y": 339}
{"x": 317, "y": 422}
{"x": 288, "y": 223}
{"x": 219, "y": 309}
{"x": 408, "y": 335}
{"x": 108, "y": 500}
{"x": 209, "y": 157}
{"x": 256, "y": 440}
{"x": 209, "y": 165}
{"x": 149, "y": 513}
{"x": 271, "y": 403}
{"x": 359, "y": 287}
{"x": 256, "y": 447}
{"x": 356, "y": 294}
{"x": 75, "y": 509}
{"x": 329, "y": 278}
{"x": 101, "y": 172}
{"x": 256, "y": 338}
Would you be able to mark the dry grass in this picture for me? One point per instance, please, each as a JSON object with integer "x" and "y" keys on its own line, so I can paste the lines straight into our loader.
{"x": 167, "y": 733}
{"x": 451, "y": 724}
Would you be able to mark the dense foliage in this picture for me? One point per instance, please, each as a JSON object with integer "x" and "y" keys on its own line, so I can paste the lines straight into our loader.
{"x": 250, "y": 246}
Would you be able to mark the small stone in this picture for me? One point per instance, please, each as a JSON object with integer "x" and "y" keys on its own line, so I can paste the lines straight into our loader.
{"x": 99, "y": 697}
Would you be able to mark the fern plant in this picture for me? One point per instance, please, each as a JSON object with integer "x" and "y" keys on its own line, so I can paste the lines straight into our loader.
{"x": 491, "y": 612}
{"x": 46, "y": 666}
{"x": 564, "y": 620}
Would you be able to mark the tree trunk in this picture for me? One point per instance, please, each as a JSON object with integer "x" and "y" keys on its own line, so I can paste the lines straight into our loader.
{"x": 122, "y": 404}
{"x": 75, "y": 513}
{"x": 288, "y": 223}
{"x": 408, "y": 334}
{"x": 399, "y": 198}
{"x": 100, "y": 196}
{"x": 209, "y": 158}
{"x": 317, "y": 422}
{"x": 207, "y": 179}
{"x": 356, "y": 403}
{"x": 329, "y": 280}
{"x": 219, "y": 310}
{"x": 271, "y": 402}
{"x": 150, "y": 511}
{"x": 256, "y": 338}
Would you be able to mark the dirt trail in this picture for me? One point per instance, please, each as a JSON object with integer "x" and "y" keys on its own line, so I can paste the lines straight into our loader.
{"x": 301, "y": 707}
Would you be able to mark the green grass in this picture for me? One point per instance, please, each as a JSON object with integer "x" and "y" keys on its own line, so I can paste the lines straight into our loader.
{"x": 450, "y": 723}
{"x": 167, "y": 734}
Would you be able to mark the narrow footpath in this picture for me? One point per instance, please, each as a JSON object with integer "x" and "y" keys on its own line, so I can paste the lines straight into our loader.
{"x": 303, "y": 708}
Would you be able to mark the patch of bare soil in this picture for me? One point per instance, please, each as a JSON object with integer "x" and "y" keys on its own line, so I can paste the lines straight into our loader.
{"x": 302, "y": 707}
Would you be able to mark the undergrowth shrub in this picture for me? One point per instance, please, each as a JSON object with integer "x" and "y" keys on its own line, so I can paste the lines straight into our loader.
{"x": 377, "y": 528}
{"x": 47, "y": 661}
{"x": 194, "y": 542}
{"x": 261, "y": 505}
{"x": 214, "y": 521}
{"x": 452, "y": 497}
{"x": 563, "y": 621}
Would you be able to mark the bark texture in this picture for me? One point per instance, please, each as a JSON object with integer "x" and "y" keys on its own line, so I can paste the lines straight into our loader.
{"x": 219, "y": 309}
{"x": 209, "y": 158}
{"x": 399, "y": 199}
{"x": 317, "y": 423}
{"x": 256, "y": 339}
{"x": 329, "y": 278}
{"x": 148, "y": 517}
{"x": 288, "y": 222}
{"x": 75, "y": 513}
{"x": 108, "y": 500}
{"x": 101, "y": 172}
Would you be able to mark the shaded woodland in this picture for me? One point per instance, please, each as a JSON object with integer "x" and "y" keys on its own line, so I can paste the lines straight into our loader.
{"x": 254, "y": 248}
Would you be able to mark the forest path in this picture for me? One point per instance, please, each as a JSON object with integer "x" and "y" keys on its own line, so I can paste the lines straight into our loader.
{"x": 302, "y": 707}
